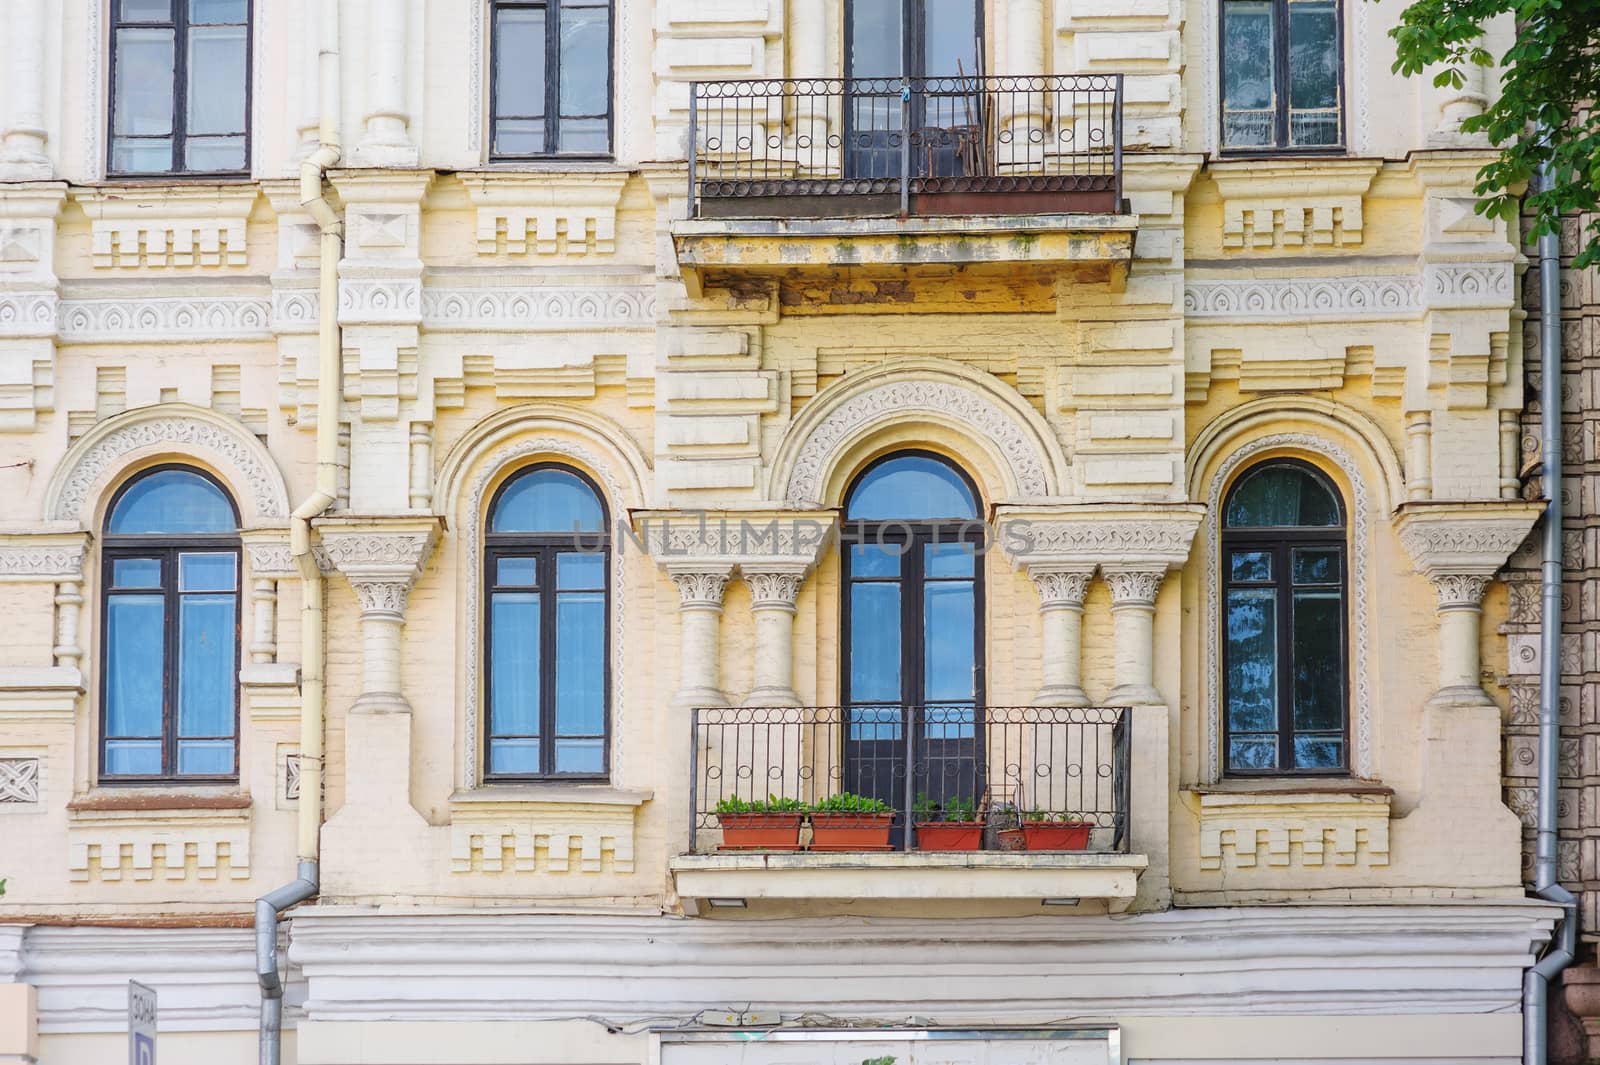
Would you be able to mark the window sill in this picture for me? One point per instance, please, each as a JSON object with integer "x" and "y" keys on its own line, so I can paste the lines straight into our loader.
{"x": 1293, "y": 786}
{"x": 1285, "y": 822}
{"x": 544, "y": 828}
{"x": 114, "y": 800}
{"x": 139, "y": 834}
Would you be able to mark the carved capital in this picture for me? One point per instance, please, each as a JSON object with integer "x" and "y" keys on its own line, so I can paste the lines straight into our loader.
{"x": 1134, "y": 587}
{"x": 382, "y": 598}
{"x": 700, "y": 588}
{"x": 1460, "y": 591}
{"x": 774, "y": 589}
{"x": 1061, "y": 588}
{"x": 1452, "y": 541}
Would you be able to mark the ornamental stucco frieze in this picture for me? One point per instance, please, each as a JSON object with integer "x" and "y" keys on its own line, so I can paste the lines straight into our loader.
{"x": 748, "y": 539}
{"x": 152, "y": 319}
{"x": 376, "y": 550}
{"x": 1140, "y": 536}
{"x": 1473, "y": 538}
{"x": 1315, "y": 297}
{"x": 460, "y": 309}
{"x": 43, "y": 557}
{"x": 897, "y": 400}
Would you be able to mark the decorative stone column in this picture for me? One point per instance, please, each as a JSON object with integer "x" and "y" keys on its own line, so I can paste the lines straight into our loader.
{"x": 1133, "y": 615}
{"x": 24, "y": 137}
{"x": 1061, "y": 594}
{"x": 773, "y": 591}
{"x": 386, "y": 139}
{"x": 381, "y": 558}
{"x": 700, "y": 589}
{"x": 1024, "y": 58}
{"x": 772, "y": 551}
{"x": 1459, "y": 547}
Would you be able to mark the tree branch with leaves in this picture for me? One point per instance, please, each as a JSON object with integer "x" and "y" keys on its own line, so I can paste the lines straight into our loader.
{"x": 1545, "y": 113}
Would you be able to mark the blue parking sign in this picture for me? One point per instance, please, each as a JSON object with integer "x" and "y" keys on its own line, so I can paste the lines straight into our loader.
{"x": 141, "y": 1024}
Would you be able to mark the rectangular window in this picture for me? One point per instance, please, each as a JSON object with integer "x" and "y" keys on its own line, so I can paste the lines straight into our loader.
{"x": 551, "y": 78}
{"x": 180, "y": 87}
{"x": 1282, "y": 75}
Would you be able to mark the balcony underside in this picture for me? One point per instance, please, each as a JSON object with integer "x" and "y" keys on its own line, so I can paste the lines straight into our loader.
{"x": 1094, "y": 881}
{"x": 999, "y": 262}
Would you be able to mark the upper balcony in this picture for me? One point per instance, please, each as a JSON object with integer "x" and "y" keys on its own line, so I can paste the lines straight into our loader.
{"x": 1015, "y": 807}
{"x": 1013, "y": 178}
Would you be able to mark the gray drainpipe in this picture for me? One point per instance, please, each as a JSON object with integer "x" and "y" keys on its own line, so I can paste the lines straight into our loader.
{"x": 1563, "y": 945}
{"x": 268, "y": 907}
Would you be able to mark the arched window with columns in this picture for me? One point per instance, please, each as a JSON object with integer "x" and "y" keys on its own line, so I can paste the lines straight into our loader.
{"x": 547, "y": 591}
{"x": 912, "y": 622}
{"x": 1285, "y": 647}
{"x": 169, "y": 659}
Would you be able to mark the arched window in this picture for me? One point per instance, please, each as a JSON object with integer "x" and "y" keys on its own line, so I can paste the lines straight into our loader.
{"x": 912, "y": 626}
{"x": 548, "y": 674}
{"x": 169, "y": 663}
{"x": 1284, "y": 658}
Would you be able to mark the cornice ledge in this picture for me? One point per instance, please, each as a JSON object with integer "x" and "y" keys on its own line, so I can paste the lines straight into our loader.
{"x": 1123, "y": 535}
{"x": 1309, "y": 178}
{"x": 1471, "y": 538}
{"x": 379, "y": 548}
{"x": 767, "y": 540}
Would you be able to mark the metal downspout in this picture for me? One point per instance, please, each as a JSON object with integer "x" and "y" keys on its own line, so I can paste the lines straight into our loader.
{"x": 313, "y": 642}
{"x": 1536, "y": 981}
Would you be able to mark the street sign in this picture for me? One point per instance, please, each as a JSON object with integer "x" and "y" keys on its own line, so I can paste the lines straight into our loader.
{"x": 141, "y": 1024}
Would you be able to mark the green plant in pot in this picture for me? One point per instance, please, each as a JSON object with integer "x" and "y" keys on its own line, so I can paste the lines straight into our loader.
{"x": 950, "y": 825}
{"x": 771, "y": 824}
{"x": 848, "y": 822}
{"x": 1047, "y": 831}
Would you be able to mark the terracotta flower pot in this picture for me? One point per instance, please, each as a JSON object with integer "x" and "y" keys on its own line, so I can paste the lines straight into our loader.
{"x": 1011, "y": 839}
{"x": 949, "y": 835}
{"x": 1057, "y": 835}
{"x": 850, "y": 832}
{"x": 768, "y": 832}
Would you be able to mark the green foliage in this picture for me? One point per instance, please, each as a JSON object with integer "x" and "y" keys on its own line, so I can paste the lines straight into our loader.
{"x": 772, "y": 804}
{"x": 887, "y": 1059}
{"x": 959, "y": 808}
{"x": 849, "y": 803}
{"x": 1550, "y": 74}
{"x": 1037, "y": 816}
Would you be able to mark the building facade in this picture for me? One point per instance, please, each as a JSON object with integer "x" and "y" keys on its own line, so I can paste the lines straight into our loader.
{"x": 485, "y": 446}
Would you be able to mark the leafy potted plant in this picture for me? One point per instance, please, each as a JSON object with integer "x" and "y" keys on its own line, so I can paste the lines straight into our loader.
{"x": 1007, "y": 824}
{"x": 952, "y": 825}
{"x": 760, "y": 824}
{"x": 849, "y": 822}
{"x": 1046, "y": 831}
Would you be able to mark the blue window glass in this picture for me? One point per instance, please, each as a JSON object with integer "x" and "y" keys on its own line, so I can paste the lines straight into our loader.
{"x": 172, "y": 502}
{"x": 911, "y": 488}
{"x": 171, "y": 646}
{"x": 1284, "y": 675}
{"x": 547, "y": 500}
{"x": 547, "y": 645}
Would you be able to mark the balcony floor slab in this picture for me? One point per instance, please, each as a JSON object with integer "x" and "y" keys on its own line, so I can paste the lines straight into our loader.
{"x": 914, "y": 876}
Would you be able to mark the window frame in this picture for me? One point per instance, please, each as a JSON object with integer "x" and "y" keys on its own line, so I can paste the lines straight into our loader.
{"x": 918, "y": 534}
{"x": 168, "y": 547}
{"x": 1282, "y": 540}
{"x": 544, "y": 547}
{"x": 180, "y": 92}
{"x": 1280, "y": 78}
{"x": 913, "y": 40}
{"x": 552, "y": 83}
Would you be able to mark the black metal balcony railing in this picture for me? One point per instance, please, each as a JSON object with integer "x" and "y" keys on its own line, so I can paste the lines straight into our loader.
{"x": 841, "y": 147}
{"x": 1006, "y": 766}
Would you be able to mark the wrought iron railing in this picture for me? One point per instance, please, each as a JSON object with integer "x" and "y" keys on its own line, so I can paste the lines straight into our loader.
{"x": 829, "y": 147}
{"x": 1008, "y": 767}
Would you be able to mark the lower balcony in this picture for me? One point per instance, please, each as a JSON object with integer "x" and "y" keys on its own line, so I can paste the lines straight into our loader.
{"x": 1021, "y": 807}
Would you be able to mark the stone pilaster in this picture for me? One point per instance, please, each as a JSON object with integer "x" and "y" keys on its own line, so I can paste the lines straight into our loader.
{"x": 700, "y": 590}
{"x": 29, "y": 294}
{"x": 24, "y": 137}
{"x": 381, "y": 558}
{"x": 773, "y": 591}
{"x": 1459, "y": 547}
{"x": 386, "y": 135}
{"x": 1061, "y": 593}
{"x": 772, "y": 551}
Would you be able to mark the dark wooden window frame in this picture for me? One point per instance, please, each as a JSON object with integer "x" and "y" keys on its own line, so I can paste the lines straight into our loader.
{"x": 1281, "y": 541}
{"x": 543, "y": 547}
{"x": 552, "y": 82}
{"x": 180, "y": 77}
{"x": 167, "y": 547}
{"x": 1280, "y": 79}
{"x": 916, "y": 534}
{"x": 913, "y": 37}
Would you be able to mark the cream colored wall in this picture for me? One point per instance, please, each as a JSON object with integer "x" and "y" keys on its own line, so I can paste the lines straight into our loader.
{"x": 1124, "y": 385}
